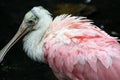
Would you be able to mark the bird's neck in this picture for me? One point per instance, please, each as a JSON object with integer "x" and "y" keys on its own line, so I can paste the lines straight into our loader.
{"x": 33, "y": 43}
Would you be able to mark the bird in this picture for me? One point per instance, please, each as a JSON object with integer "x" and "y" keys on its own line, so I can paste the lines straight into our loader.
{"x": 73, "y": 46}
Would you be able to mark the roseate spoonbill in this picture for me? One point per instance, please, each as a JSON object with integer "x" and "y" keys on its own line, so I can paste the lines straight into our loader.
{"x": 73, "y": 47}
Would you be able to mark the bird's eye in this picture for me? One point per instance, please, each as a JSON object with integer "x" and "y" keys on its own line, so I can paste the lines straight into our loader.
{"x": 31, "y": 19}
{"x": 30, "y": 23}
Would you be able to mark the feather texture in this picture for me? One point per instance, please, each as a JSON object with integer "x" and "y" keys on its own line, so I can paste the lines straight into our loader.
{"x": 78, "y": 50}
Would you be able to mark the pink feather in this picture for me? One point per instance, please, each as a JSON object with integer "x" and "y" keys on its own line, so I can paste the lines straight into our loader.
{"x": 75, "y": 49}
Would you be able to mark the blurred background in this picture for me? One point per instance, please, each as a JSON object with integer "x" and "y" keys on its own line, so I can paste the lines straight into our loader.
{"x": 16, "y": 64}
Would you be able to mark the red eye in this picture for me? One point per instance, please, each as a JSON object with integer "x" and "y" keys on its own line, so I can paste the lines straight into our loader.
{"x": 31, "y": 22}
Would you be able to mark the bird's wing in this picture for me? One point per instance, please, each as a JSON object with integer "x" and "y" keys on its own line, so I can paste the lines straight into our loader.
{"x": 81, "y": 53}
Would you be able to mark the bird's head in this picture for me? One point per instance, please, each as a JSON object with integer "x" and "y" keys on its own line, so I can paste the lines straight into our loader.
{"x": 36, "y": 18}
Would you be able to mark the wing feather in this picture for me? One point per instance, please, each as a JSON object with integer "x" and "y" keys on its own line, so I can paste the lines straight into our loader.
{"x": 78, "y": 50}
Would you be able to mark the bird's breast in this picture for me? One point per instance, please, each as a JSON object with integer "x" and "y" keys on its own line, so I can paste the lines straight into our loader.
{"x": 33, "y": 43}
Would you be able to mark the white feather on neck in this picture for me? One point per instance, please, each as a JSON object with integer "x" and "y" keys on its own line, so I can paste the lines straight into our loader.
{"x": 33, "y": 41}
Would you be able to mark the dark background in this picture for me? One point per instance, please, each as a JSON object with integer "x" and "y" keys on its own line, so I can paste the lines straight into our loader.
{"x": 16, "y": 64}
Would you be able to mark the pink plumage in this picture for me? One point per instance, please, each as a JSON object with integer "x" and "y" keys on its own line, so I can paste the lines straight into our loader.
{"x": 75, "y": 49}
